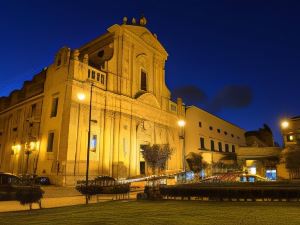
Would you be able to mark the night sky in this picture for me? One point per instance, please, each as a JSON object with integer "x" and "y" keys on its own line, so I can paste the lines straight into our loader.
{"x": 237, "y": 59}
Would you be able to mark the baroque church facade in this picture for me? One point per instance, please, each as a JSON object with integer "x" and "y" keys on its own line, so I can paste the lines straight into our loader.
{"x": 44, "y": 126}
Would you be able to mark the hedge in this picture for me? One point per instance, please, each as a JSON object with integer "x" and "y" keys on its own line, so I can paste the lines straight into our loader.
{"x": 94, "y": 189}
{"x": 229, "y": 192}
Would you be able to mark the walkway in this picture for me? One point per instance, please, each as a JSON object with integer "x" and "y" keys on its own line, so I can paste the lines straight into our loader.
{"x": 57, "y": 197}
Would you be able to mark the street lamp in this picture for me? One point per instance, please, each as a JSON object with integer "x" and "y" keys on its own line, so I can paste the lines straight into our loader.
{"x": 15, "y": 151}
{"x": 285, "y": 124}
{"x": 29, "y": 148}
{"x": 181, "y": 123}
{"x": 81, "y": 97}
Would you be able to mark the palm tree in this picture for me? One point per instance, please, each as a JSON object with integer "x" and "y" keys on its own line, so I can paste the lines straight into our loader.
{"x": 196, "y": 163}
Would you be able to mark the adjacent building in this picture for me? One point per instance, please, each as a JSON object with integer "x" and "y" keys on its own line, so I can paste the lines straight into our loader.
{"x": 214, "y": 138}
{"x": 290, "y": 129}
{"x": 289, "y": 163}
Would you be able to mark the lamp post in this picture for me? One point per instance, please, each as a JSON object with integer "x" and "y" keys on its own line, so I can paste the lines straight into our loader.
{"x": 81, "y": 97}
{"x": 15, "y": 151}
{"x": 181, "y": 124}
{"x": 284, "y": 126}
{"x": 29, "y": 148}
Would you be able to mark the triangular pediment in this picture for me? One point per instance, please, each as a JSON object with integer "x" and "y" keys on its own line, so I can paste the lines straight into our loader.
{"x": 143, "y": 33}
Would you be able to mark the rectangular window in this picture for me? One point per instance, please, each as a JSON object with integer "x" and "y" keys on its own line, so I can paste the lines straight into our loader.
{"x": 143, "y": 81}
{"x": 98, "y": 76}
{"x": 93, "y": 75}
{"x": 220, "y": 146}
{"x": 211, "y": 128}
{"x": 93, "y": 144}
{"x": 102, "y": 79}
{"x": 202, "y": 146}
{"x": 50, "y": 142}
{"x": 212, "y": 145}
{"x": 290, "y": 138}
{"x": 54, "y": 107}
{"x": 200, "y": 124}
{"x": 226, "y": 148}
{"x": 233, "y": 148}
{"x": 173, "y": 108}
{"x": 33, "y": 110}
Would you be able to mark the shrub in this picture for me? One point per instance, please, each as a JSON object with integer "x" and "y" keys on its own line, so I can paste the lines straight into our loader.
{"x": 29, "y": 194}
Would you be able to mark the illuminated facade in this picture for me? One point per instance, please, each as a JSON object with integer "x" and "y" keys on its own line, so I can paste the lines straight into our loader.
{"x": 131, "y": 107}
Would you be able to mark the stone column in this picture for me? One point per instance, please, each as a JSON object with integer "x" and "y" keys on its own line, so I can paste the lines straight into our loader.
{"x": 133, "y": 156}
{"x": 106, "y": 160}
{"x": 115, "y": 156}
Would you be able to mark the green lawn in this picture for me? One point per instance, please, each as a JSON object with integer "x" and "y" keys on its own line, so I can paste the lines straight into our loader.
{"x": 162, "y": 212}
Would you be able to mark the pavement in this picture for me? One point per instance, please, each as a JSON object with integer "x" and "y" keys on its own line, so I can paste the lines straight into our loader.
{"x": 59, "y": 197}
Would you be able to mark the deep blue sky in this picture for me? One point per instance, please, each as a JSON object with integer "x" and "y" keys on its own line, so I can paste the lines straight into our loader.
{"x": 211, "y": 44}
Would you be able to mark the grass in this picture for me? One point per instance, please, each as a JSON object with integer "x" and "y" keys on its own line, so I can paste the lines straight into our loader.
{"x": 162, "y": 212}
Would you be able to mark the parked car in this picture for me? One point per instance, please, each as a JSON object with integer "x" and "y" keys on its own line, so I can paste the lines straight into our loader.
{"x": 42, "y": 180}
{"x": 11, "y": 186}
{"x": 30, "y": 179}
{"x": 8, "y": 186}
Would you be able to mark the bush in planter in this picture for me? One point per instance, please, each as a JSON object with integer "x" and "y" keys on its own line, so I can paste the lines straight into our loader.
{"x": 90, "y": 190}
{"x": 29, "y": 194}
{"x": 94, "y": 189}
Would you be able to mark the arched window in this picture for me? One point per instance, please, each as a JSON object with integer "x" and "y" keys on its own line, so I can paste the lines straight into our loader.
{"x": 143, "y": 80}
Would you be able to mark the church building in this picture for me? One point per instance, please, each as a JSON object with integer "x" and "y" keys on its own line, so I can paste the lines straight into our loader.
{"x": 119, "y": 78}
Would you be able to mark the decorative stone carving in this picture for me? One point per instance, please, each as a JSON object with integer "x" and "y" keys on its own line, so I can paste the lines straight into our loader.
{"x": 125, "y": 20}
{"x": 149, "y": 99}
{"x": 62, "y": 57}
{"x": 133, "y": 21}
{"x": 143, "y": 21}
{"x": 75, "y": 54}
{"x": 86, "y": 59}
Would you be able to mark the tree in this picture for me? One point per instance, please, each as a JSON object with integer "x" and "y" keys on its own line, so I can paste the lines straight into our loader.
{"x": 156, "y": 156}
{"x": 196, "y": 163}
{"x": 291, "y": 156}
